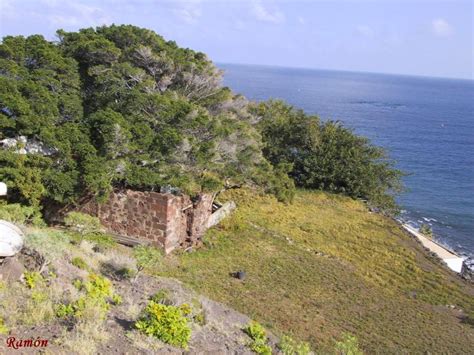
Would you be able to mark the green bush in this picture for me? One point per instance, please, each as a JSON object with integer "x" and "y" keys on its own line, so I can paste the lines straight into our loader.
{"x": 65, "y": 310}
{"x": 162, "y": 296}
{"x": 146, "y": 257}
{"x": 289, "y": 346}
{"x": 125, "y": 273}
{"x": 3, "y": 328}
{"x": 82, "y": 223}
{"x": 258, "y": 335}
{"x": 32, "y": 278}
{"x": 94, "y": 302}
{"x": 18, "y": 214}
{"x": 426, "y": 230}
{"x": 116, "y": 299}
{"x": 167, "y": 323}
{"x": 102, "y": 241}
{"x": 79, "y": 263}
{"x": 349, "y": 345}
{"x": 327, "y": 155}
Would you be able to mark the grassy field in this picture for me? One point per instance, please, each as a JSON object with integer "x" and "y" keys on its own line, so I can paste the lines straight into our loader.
{"x": 323, "y": 266}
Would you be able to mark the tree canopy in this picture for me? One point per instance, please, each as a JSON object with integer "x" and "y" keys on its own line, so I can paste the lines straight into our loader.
{"x": 119, "y": 106}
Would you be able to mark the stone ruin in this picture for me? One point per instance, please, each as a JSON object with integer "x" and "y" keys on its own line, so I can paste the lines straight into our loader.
{"x": 165, "y": 220}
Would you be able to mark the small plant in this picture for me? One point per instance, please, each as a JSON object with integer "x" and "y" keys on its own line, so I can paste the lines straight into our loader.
{"x": 94, "y": 302}
{"x": 167, "y": 323}
{"x": 65, "y": 310}
{"x": 146, "y": 257}
{"x": 126, "y": 273}
{"x": 186, "y": 309}
{"x": 116, "y": 299}
{"x": 349, "y": 345}
{"x": 79, "y": 263}
{"x": 98, "y": 286}
{"x": 162, "y": 296}
{"x": 289, "y": 346}
{"x": 19, "y": 214}
{"x": 258, "y": 335}
{"x": 102, "y": 241}
{"x": 82, "y": 223}
{"x": 426, "y": 230}
{"x": 32, "y": 278}
{"x": 200, "y": 318}
{"x": 3, "y": 328}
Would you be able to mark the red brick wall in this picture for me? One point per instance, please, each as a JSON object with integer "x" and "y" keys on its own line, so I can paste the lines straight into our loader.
{"x": 166, "y": 220}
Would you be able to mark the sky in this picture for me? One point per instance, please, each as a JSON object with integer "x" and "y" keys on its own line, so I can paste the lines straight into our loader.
{"x": 411, "y": 37}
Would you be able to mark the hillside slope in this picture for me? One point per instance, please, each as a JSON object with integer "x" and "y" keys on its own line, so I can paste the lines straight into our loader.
{"x": 324, "y": 265}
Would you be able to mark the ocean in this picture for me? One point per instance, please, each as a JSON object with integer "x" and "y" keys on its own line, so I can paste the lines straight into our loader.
{"x": 425, "y": 124}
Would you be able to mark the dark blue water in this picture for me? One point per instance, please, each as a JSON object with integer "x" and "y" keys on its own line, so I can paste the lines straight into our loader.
{"x": 426, "y": 125}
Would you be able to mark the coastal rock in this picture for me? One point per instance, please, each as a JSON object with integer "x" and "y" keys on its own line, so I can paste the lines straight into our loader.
{"x": 11, "y": 239}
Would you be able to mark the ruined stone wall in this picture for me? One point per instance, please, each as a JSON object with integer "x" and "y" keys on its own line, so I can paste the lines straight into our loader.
{"x": 165, "y": 220}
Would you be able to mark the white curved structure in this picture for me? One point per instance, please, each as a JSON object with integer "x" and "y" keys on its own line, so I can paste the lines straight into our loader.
{"x": 3, "y": 189}
{"x": 11, "y": 239}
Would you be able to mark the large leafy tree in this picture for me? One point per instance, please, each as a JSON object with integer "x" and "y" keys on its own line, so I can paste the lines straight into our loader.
{"x": 40, "y": 98}
{"x": 119, "y": 106}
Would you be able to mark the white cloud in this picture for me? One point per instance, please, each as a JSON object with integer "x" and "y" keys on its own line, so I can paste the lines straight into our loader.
{"x": 76, "y": 14}
{"x": 301, "y": 20}
{"x": 264, "y": 14}
{"x": 188, "y": 11}
{"x": 441, "y": 27}
{"x": 6, "y": 9}
{"x": 365, "y": 31}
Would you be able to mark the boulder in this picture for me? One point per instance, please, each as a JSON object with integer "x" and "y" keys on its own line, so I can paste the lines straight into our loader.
{"x": 11, "y": 269}
{"x": 11, "y": 239}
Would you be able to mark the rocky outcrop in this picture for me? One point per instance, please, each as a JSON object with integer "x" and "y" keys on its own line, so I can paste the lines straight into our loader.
{"x": 24, "y": 145}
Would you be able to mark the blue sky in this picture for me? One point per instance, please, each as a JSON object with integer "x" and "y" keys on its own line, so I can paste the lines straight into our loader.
{"x": 417, "y": 37}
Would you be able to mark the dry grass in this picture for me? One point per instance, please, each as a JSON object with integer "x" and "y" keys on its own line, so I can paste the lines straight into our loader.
{"x": 323, "y": 266}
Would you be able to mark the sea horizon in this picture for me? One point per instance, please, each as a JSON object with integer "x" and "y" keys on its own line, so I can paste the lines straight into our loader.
{"x": 276, "y": 66}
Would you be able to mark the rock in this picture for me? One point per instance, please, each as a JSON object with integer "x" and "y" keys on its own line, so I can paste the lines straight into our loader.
{"x": 239, "y": 274}
{"x": 11, "y": 269}
{"x": 11, "y": 239}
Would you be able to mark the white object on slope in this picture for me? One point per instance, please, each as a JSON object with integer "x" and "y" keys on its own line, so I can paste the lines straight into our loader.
{"x": 3, "y": 189}
{"x": 11, "y": 239}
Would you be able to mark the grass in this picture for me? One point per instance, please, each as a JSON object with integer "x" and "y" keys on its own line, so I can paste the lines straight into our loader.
{"x": 323, "y": 267}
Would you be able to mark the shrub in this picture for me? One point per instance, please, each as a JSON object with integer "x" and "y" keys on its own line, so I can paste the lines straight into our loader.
{"x": 65, "y": 310}
{"x": 167, "y": 323}
{"x": 116, "y": 299}
{"x": 3, "y": 328}
{"x": 94, "y": 302}
{"x": 146, "y": 257}
{"x": 289, "y": 346}
{"x": 18, "y": 214}
{"x": 426, "y": 230}
{"x": 82, "y": 223}
{"x": 101, "y": 240}
{"x": 326, "y": 155}
{"x": 79, "y": 263}
{"x": 32, "y": 278}
{"x": 258, "y": 335}
{"x": 349, "y": 345}
{"x": 98, "y": 286}
{"x": 162, "y": 296}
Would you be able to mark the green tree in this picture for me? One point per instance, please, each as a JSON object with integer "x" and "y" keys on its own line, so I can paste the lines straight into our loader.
{"x": 327, "y": 156}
